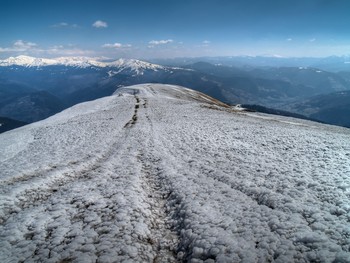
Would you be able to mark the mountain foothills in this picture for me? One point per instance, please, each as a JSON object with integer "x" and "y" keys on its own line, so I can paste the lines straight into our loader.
{"x": 162, "y": 173}
{"x": 32, "y": 89}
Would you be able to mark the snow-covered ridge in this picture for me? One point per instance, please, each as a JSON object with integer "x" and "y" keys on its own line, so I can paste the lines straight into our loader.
{"x": 27, "y": 61}
{"x": 161, "y": 173}
{"x": 170, "y": 92}
{"x": 82, "y": 62}
{"x": 135, "y": 65}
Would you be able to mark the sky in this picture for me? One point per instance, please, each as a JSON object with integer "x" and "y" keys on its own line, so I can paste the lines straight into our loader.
{"x": 174, "y": 28}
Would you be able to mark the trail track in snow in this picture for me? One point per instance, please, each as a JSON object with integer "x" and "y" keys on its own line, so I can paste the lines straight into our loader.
{"x": 163, "y": 239}
{"x": 159, "y": 173}
{"x": 82, "y": 192}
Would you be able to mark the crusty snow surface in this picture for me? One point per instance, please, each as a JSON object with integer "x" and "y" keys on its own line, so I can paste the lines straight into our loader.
{"x": 158, "y": 173}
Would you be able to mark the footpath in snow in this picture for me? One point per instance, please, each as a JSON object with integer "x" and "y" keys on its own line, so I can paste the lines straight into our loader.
{"x": 160, "y": 173}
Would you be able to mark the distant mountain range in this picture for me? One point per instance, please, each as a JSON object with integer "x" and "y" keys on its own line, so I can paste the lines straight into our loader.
{"x": 80, "y": 62}
{"x": 331, "y": 63}
{"x": 32, "y": 89}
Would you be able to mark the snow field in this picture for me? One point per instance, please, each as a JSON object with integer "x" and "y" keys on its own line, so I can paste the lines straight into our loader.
{"x": 164, "y": 174}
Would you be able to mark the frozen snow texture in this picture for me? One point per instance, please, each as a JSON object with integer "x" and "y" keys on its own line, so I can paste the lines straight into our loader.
{"x": 162, "y": 173}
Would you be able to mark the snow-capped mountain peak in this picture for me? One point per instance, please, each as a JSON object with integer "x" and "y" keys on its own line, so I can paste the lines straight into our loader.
{"x": 27, "y": 61}
{"x": 82, "y": 62}
{"x": 134, "y": 65}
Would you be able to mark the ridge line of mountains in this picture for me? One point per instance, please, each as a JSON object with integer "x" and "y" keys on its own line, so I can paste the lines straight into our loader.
{"x": 32, "y": 89}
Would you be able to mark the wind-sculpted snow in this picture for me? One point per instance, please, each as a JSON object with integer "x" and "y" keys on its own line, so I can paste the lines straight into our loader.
{"x": 159, "y": 173}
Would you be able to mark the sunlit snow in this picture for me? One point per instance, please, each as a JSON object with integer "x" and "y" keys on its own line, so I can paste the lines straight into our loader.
{"x": 134, "y": 65}
{"x": 159, "y": 173}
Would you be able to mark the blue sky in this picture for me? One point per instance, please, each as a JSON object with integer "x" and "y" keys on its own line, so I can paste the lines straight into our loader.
{"x": 168, "y": 28}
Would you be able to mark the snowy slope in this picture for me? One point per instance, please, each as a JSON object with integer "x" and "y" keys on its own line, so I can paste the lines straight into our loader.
{"x": 165, "y": 174}
{"x": 134, "y": 65}
{"x": 27, "y": 61}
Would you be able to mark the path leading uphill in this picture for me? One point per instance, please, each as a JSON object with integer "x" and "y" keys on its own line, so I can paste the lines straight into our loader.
{"x": 159, "y": 173}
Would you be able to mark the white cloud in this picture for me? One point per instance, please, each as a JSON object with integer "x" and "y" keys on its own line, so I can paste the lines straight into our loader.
{"x": 160, "y": 42}
{"x": 154, "y": 43}
{"x": 58, "y": 47}
{"x": 289, "y": 39}
{"x": 100, "y": 24}
{"x": 62, "y": 24}
{"x": 116, "y": 45}
{"x": 62, "y": 51}
{"x": 312, "y": 40}
{"x": 20, "y": 46}
{"x": 205, "y": 43}
{"x": 65, "y": 25}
